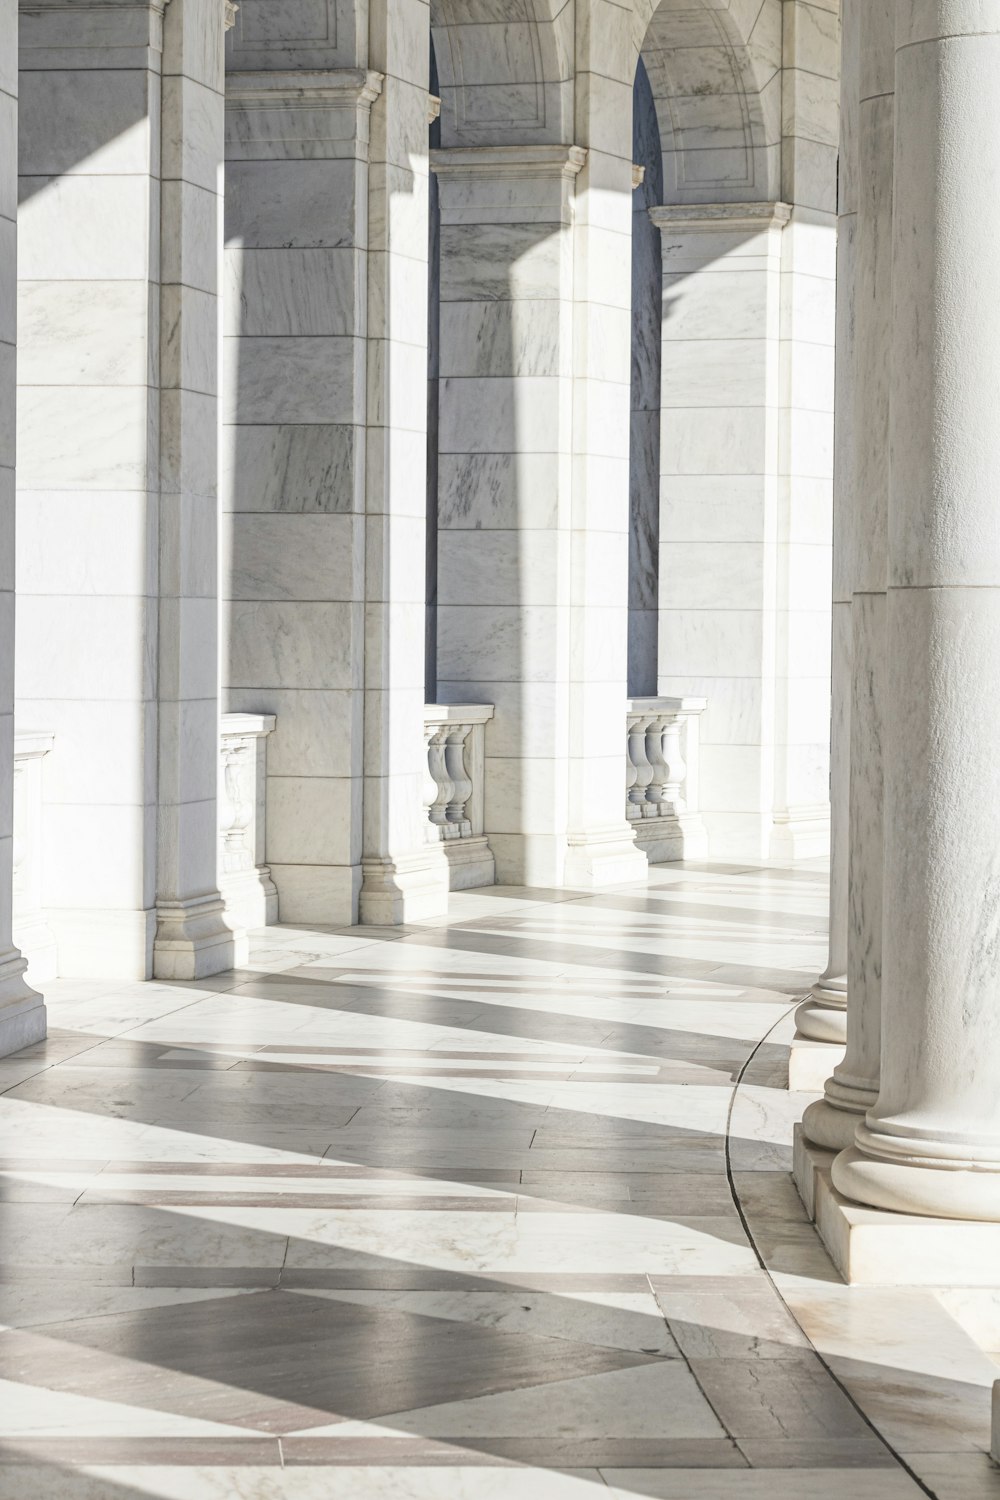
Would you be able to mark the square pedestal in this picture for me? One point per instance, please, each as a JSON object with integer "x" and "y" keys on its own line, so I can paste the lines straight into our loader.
{"x": 811, "y": 1063}
{"x": 873, "y": 1247}
{"x": 807, "y": 1160}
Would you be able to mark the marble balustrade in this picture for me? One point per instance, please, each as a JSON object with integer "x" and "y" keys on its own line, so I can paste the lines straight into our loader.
{"x": 455, "y": 792}
{"x": 662, "y": 777}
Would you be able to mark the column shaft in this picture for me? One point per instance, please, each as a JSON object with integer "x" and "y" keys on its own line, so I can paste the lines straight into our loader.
{"x": 823, "y": 1015}
{"x": 854, "y": 1084}
{"x": 931, "y": 1144}
{"x": 22, "y": 1014}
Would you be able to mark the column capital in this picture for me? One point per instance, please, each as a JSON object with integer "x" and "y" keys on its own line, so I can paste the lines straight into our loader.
{"x": 723, "y": 218}
{"x": 229, "y": 10}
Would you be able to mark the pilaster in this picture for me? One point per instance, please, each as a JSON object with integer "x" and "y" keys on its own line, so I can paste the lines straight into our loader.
{"x": 510, "y": 628}
{"x": 294, "y": 409}
{"x": 192, "y": 938}
{"x": 719, "y": 502}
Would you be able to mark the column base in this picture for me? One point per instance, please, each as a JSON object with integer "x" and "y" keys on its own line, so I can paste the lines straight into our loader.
{"x": 830, "y": 1126}
{"x": 23, "y": 1020}
{"x": 873, "y": 1247}
{"x": 801, "y": 833}
{"x": 193, "y": 939}
{"x": 608, "y": 857}
{"x": 911, "y": 1183}
{"x": 406, "y": 889}
{"x": 811, "y": 1063}
{"x": 822, "y": 1016}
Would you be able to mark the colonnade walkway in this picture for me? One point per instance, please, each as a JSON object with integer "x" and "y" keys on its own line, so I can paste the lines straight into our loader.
{"x": 491, "y": 1207}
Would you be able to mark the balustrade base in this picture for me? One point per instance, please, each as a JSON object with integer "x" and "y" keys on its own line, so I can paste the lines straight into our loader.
{"x": 23, "y": 1020}
{"x": 811, "y": 1063}
{"x": 193, "y": 940}
{"x": 405, "y": 889}
{"x": 877, "y": 1247}
{"x": 470, "y": 864}
{"x": 250, "y": 897}
{"x": 609, "y": 857}
{"x": 666, "y": 840}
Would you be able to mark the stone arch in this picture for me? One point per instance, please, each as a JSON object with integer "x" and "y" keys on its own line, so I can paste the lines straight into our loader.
{"x": 505, "y": 71}
{"x": 715, "y": 72}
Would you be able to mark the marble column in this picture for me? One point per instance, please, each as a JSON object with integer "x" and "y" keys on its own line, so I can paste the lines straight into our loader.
{"x": 719, "y": 540}
{"x": 22, "y": 1014}
{"x": 852, "y": 1089}
{"x": 325, "y": 452}
{"x": 116, "y": 475}
{"x": 192, "y": 937}
{"x": 930, "y": 1145}
{"x": 822, "y": 1017}
{"x": 514, "y": 628}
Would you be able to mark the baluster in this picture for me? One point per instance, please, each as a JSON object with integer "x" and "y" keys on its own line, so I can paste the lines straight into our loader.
{"x": 461, "y": 783}
{"x": 236, "y": 807}
{"x": 633, "y": 811}
{"x": 656, "y": 791}
{"x": 442, "y": 781}
{"x": 20, "y": 830}
{"x": 637, "y": 739}
{"x": 430, "y": 788}
{"x": 672, "y": 803}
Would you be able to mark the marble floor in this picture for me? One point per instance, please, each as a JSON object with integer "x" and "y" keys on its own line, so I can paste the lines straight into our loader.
{"x": 485, "y": 1208}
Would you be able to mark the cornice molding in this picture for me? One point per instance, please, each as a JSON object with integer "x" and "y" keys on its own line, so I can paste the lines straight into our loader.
{"x": 303, "y": 89}
{"x": 720, "y": 217}
{"x": 508, "y": 161}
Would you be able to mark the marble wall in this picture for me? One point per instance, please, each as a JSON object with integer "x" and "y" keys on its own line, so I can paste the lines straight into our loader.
{"x": 22, "y": 1014}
